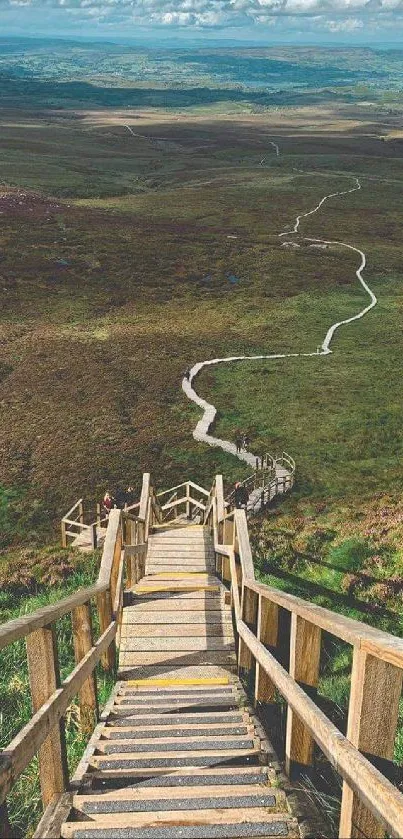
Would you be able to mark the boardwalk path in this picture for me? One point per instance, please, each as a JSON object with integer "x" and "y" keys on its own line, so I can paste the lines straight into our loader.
{"x": 201, "y": 432}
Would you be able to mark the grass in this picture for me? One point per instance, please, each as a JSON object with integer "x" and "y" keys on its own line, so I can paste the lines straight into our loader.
{"x": 24, "y": 801}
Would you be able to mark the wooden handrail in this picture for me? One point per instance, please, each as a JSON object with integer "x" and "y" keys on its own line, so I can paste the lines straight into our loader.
{"x": 370, "y": 803}
{"x": 379, "y": 795}
{"x": 21, "y": 627}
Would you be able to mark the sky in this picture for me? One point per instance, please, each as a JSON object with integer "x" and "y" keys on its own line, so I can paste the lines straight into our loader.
{"x": 262, "y": 21}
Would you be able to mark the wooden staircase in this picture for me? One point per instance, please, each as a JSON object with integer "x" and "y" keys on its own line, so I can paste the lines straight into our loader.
{"x": 178, "y": 753}
{"x": 177, "y": 614}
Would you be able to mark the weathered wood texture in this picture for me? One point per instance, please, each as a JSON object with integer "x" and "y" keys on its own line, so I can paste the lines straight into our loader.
{"x": 44, "y": 680}
{"x": 304, "y": 668}
{"x": 376, "y": 688}
{"x": 82, "y": 639}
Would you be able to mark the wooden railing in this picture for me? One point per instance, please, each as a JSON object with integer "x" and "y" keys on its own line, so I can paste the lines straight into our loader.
{"x": 266, "y": 478}
{"x": 189, "y": 502}
{"x": 73, "y": 524}
{"x": 124, "y": 553}
{"x": 370, "y": 803}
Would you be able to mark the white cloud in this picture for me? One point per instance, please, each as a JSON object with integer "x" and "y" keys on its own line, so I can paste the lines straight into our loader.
{"x": 334, "y": 16}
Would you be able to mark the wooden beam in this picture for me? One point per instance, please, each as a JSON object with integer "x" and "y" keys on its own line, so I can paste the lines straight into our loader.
{"x": 249, "y": 605}
{"x": 305, "y": 644}
{"x": 244, "y": 548}
{"x": 104, "y": 606}
{"x": 82, "y": 640}
{"x": 44, "y": 679}
{"x": 21, "y": 627}
{"x": 372, "y": 721}
{"x": 267, "y": 633}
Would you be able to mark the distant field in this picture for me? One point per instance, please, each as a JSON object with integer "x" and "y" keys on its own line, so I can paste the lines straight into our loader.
{"x": 116, "y": 267}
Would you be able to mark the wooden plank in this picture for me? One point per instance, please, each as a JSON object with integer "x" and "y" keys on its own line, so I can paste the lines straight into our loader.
{"x": 220, "y": 756}
{"x": 105, "y": 618}
{"x": 140, "y": 617}
{"x": 54, "y": 817}
{"x": 34, "y": 734}
{"x": 174, "y": 605}
{"x": 377, "y": 793}
{"x": 249, "y": 606}
{"x": 305, "y": 643}
{"x": 44, "y": 679}
{"x": 175, "y": 793}
{"x": 198, "y": 657}
{"x": 174, "y": 644}
{"x": 267, "y": 633}
{"x": 186, "y": 817}
{"x": 245, "y": 551}
{"x": 21, "y": 627}
{"x": 177, "y": 630}
{"x": 83, "y": 643}
{"x": 376, "y": 688}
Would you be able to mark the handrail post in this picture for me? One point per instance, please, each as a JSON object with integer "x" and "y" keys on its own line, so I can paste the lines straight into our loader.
{"x": 64, "y": 534}
{"x": 376, "y": 688}
{"x": 305, "y": 642}
{"x": 94, "y": 536}
{"x": 104, "y": 606}
{"x": 44, "y": 679}
{"x": 249, "y": 608}
{"x": 81, "y": 512}
{"x": 187, "y": 500}
{"x": 267, "y": 633}
{"x": 83, "y": 641}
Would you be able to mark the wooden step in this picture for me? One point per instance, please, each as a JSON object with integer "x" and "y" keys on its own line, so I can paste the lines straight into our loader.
{"x": 174, "y": 758}
{"x": 176, "y": 644}
{"x": 192, "y": 630}
{"x": 197, "y": 657}
{"x": 256, "y": 822}
{"x": 170, "y": 745}
{"x": 165, "y": 603}
{"x": 200, "y": 777}
{"x": 155, "y": 733}
{"x": 121, "y": 715}
{"x": 138, "y": 617}
{"x": 210, "y": 798}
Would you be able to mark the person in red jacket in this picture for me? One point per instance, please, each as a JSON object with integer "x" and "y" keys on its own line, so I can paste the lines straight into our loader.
{"x": 107, "y": 502}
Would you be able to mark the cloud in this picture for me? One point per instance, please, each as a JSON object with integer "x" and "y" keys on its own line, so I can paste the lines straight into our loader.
{"x": 334, "y": 16}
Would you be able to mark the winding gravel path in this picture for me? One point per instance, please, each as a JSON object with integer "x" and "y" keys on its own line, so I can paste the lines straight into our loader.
{"x": 201, "y": 432}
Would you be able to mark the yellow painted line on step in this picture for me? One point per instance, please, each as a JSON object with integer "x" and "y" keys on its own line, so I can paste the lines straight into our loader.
{"x": 154, "y": 589}
{"x": 133, "y": 683}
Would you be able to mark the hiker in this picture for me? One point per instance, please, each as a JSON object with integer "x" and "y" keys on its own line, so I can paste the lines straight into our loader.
{"x": 107, "y": 503}
{"x": 245, "y": 442}
{"x": 238, "y": 442}
{"x": 187, "y": 373}
{"x": 129, "y": 496}
{"x": 120, "y": 498}
{"x": 241, "y": 496}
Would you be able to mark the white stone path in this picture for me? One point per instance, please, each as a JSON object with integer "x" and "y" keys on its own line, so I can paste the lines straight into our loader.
{"x": 201, "y": 432}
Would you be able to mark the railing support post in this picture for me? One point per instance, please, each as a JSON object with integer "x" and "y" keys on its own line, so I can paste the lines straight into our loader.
{"x": 64, "y": 534}
{"x": 105, "y": 618}
{"x": 376, "y": 688}
{"x": 81, "y": 512}
{"x": 6, "y": 831}
{"x": 267, "y": 633}
{"x": 83, "y": 641}
{"x": 249, "y": 605}
{"x": 305, "y": 643}
{"x": 44, "y": 678}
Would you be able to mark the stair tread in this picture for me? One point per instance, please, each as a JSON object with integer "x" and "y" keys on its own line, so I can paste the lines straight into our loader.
{"x": 192, "y": 817}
